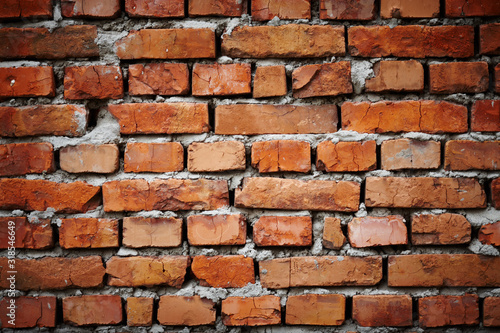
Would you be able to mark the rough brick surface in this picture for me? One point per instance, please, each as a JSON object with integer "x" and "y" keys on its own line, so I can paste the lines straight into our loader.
{"x": 377, "y": 231}
{"x": 158, "y": 79}
{"x": 470, "y": 155}
{"x": 497, "y": 78}
{"x": 490, "y": 234}
{"x": 283, "y": 231}
{"x": 459, "y": 77}
{"x": 458, "y": 8}
{"x": 152, "y": 232}
{"x": 491, "y": 311}
{"x": 146, "y": 8}
{"x": 27, "y": 82}
{"x": 22, "y": 158}
{"x": 216, "y": 230}
{"x": 153, "y": 157}
{"x": 293, "y": 194}
{"x": 269, "y": 81}
{"x": 31, "y": 312}
{"x": 397, "y": 76}
{"x": 346, "y": 156}
{"x": 489, "y": 42}
{"x": 216, "y": 156}
{"x": 437, "y": 311}
{"x": 221, "y": 80}
{"x": 251, "y": 311}
{"x": 440, "y": 229}
{"x": 93, "y": 82}
{"x": 485, "y": 116}
{"x": 410, "y": 154}
{"x": 382, "y": 310}
{"x": 347, "y": 9}
{"x": 409, "y": 8}
{"x": 140, "y": 311}
{"x": 22, "y": 9}
{"x": 333, "y": 237}
{"x": 322, "y": 80}
{"x": 265, "y": 10}
{"x": 186, "y": 311}
{"x": 88, "y": 233}
{"x": 495, "y": 192}
{"x": 92, "y": 310}
{"x": 281, "y": 155}
{"x": 27, "y": 235}
{"x": 311, "y": 309}
{"x": 90, "y": 8}
{"x": 223, "y": 271}
{"x": 90, "y": 158}
{"x": 216, "y": 7}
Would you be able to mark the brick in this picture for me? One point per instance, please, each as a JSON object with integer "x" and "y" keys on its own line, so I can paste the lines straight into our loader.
{"x": 411, "y": 41}
{"x": 22, "y": 9}
{"x": 146, "y": 8}
{"x": 90, "y": 158}
{"x": 37, "y": 194}
{"x": 74, "y": 41}
{"x": 346, "y": 156}
{"x": 147, "y": 271}
{"x": 265, "y": 10}
{"x": 152, "y": 232}
{"x": 281, "y": 155}
{"x": 186, "y": 311}
{"x": 320, "y": 271}
{"x": 382, "y": 310}
{"x": 472, "y": 155}
{"x": 167, "y": 44}
{"x": 28, "y": 235}
{"x": 216, "y": 230}
{"x": 92, "y": 310}
{"x": 377, "y": 231}
{"x": 485, "y": 116}
{"x": 443, "y": 229}
{"x": 293, "y": 194}
{"x": 158, "y": 79}
{"x": 269, "y": 81}
{"x": 347, "y": 10}
{"x": 216, "y": 156}
{"x": 59, "y": 120}
{"x": 459, "y": 77}
{"x": 27, "y": 82}
{"x": 497, "y": 78}
{"x": 440, "y": 270}
{"x": 489, "y": 38}
{"x": 221, "y": 80}
{"x": 93, "y": 82}
{"x": 397, "y": 76}
{"x": 140, "y": 311}
{"x": 90, "y": 9}
{"x": 18, "y": 159}
{"x": 333, "y": 237}
{"x": 491, "y": 311}
{"x": 495, "y": 193}
{"x": 88, "y": 233}
{"x": 223, "y": 271}
{"x": 134, "y": 195}
{"x": 161, "y": 118}
{"x": 283, "y": 231}
{"x": 153, "y": 157}
{"x": 409, "y": 8}
{"x": 424, "y": 192}
{"x": 322, "y": 80}
{"x": 404, "y": 116}
{"x": 36, "y": 312}
{"x": 232, "y": 8}
{"x": 490, "y": 234}
{"x": 437, "y": 311}
{"x": 51, "y": 273}
{"x": 410, "y": 154}
{"x": 285, "y": 41}
{"x": 251, "y": 311}
{"x": 311, "y": 309}
{"x": 457, "y": 8}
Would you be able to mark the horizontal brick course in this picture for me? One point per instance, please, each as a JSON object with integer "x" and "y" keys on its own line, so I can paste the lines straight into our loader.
{"x": 27, "y": 82}
{"x": 92, "y": 310}
{"x": 22, "y": 158}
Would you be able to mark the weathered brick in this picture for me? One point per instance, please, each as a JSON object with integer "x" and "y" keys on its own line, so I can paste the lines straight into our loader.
{"x": 152, "y": 232}
{"x": 311, "y": 309}
{"x": 470, "y": 155}
{"x": 489, "y": 42}
{"x": 231, "y": 8}
{"x": 497, "y": 78}
{"x": 382, "y": 310}
{"x": 161, "y": 118}
{"x": 409, "y": 8}
{"x": 491, "y": 311}
{"x": 147, "y": 8}
{"x": 459, "y": 77}
{"x": 283, "y": 231}
{"x": 93, "y": 82}
{"x": 31, "y": 312}
{"x": 441, "y": 229}
{"x": 424, "y": 192}
{"x": 153, "y": 157}
{"x": 74, "y": 41}
{"x": 90, "y": 158}
{"x": 186, "y": 311}
{"x": 320, "y": 271}
{"x": 147, "y": 271}
{"x": 90, "y": 9}
{"x": 21, "y": 158}
{"x": 285, "y": 41}
{"x": 28, "y": 235}
{"x": 61, "y": 120}
{"x": 281, "y": 155}
{"x": 265, "y": 10}
{"x": 377, "y": 231}
{"x": 55, "y": 273}
{"x": 221, "y": 80}
{"x": 251, "y": 311}
{"x": 27, "y": 82}
{"x": 347, "y": 9}
{"x": 333, "y": 237}
{"x": 404, "y": 116}
{"x": 158, "y": 79}
{"x": 346, "y": 156}
{"x": 458, "y": 8}
{"x": 495, "y": 192}
{"x": 269, "y": 81}
{"x": 167, "y": 44}
{"x": 223, "y": 271}
{"x": 398, "y": 76}
{"x": 412, "y": 41}
{"x": 88, "y": 233}
{"x": 485, "y": 116}
{"x": 216, "y": 230}
{"x": 293, "y": 194}
{"x": 437, "y": 311}
{"x": 37, "y": 194}
{"x": 216, "y": 156}
{"x": 410, "y": 154}
{"x": 490, "y": 234}
{"x": 440, "y": 270}
{"x": 92, "y": 310}
{"x": 322, "y": 80}
{"x": 22, "y": 9}
{"x": 140, "y": 311}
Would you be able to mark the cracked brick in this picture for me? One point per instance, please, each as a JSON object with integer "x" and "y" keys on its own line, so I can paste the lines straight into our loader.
{"x": 438, "y": 311}
{"x": 397, "y": 76}
{"x": 88, "y": 233}
{"x": 158, "y": 79}
{"x": 467, "y": 8}
{"x": 154, "y": 9}
{"x": 93, "y": 82}
{"x": 28, "y": 235}
{"x": 36, "y": 312}
{"x": 153, "y": 157}
{"x": 333, "y": 237}
{"x": 251, "y": 311}
{"x": 27, "y": 82}
{"x": 281, "y": 155}
{"x": 346, "y": 156}
{"x": 490, "y": 234}
{"x": 409, "y": 8}
{"x": 283, "y": 231}
{"x": 265, "y": 10}
{"x": 443, "y": 229}
{"x": 269, "y": 81}
{"x": 322, "y": 80}
{"x": 23, "y": 9}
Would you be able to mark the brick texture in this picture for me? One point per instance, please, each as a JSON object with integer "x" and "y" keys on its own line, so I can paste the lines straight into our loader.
{"x": 283, "y": 231}
{"x": 269, "y": 81}
{"x": 90, "y": 9}
{"x": 409, "y": 8}
{"x": 23, "y": 9}
{"x": 153, "y": 157}
{"x": 221, "y": 80}
{"x": 92, "y": 310}
{"x": 410, "y": 154}
{"x": 217, "y": 156}
{"x": 346, "y": 156}
{"x": 141, "y": 232}
{"x": 347, "y": 9}
{"x": 440, "y": 229}
{"x": 145, "y": 8}
{"x": 36, "y": 312}
{"x": 470, "y": 155}
{"x": 490, "y": 234}
{"x": 88, "y": 233}
{"x": 377, "y": 231}
{"x": 322, "y": 310}
{"x": 90, "y": 158}
{"x": 322, "y": 80}
{"x": 27, "y": 235}
{"x": 251, "y": 311}
{"x": 281, "y": 155}
{"x": 437, "y": 311}
{"x": 139, "y": 311}
{"x": 215, "y": 7}
{"x": 22, "y": 158}
{"x": 495, "y": 192}
{"x": 485, "y": 116}
{"x": 158, "y": 79}
{"x": 27, "y": 82}
{"x": 186, "y": 311}
{"x": 216, "y": 230}
{"x": 458, "y": 77}
{"x": 93, "y": 82}
{"x": 264, "y": 10}
{"x": 491, "y": 311}
{"x": 397, "y": 76}
{"x": 382, "y": 310}
{"x": 223, "y": 271}
{"x": 457, "y": 8}
{"x": 489, "y": 38}
{"x": 333, "y": 236}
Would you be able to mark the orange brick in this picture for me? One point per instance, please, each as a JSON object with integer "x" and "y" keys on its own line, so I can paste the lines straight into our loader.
{"x": 281, "y": 155}
{"x": 21, "y": 158}
{"x": 457, "y": 8}
{"x": 497, "y": 78}
{"x": 347, "y": 9}
{"x": 459, "y": 77}
{"x": 398, "y": 76}
{"x": 437, "y": 311}
{"x": 485, "y": 115}
{"x": 90, "y": 158}
{"x": 409, "y": 8}
{"x": 221, "y": 80}
{"x": 152, "y": 232}
{"x": 158, "y": 79}
{"x": 490, "y": 234}
{"x": 283, "y": 231}
{"x": 495, "y": 193}
{"x": 92, "y": 310}
{"x": 21, "y": 9}
{"x": 147, "y": 8}
{"x": 269, "y": 81}
{"x": 153, "y": 157}
{"x": 410, "y": 154}
{"x": 216, "y": 156}
{"x": 333, "y": 237}
{"x": 251, "y": 311}
{"x": 27, "y": 82}
{"x": 32, "y": 312}
{"x": 322, "y": 80}
{"x": 223, "y": 271}
{"x": 491, "y": 311}
{"x": 93, "y": 82}
{"x": 216, "y": 230}
{"x": 90, "y": 9}
{"x": 382, "y": 310}
{"x": 472, "y": 155}
{"x": 265, "y": 10}
{"x": 231, "y": 8}
{"x": 346, "y": 156}
{"x": 88, "y": 233}
{"x": 489, "y": 38}
{"x": 139, "y": 311}
{"x": 377, "y": 231}
{"x": 27, "y": 235}
{"x": 322, "y": 310}
{"x": 186, "y": 311}
{"x": 441, "y": 229}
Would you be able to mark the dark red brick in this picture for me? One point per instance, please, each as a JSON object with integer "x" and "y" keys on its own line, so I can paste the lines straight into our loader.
{"x": 158, "y": 79}
{"x": 438, "y": 311}
{"x": 459, "y": 77}
{"x": 28, "y": 235}
{"x": 96, "y": 9}
{"x": 485, "y": 116}
{"x": 155, "y": 9}
{"x": 22, "y": 158}
{"x": 27, "y": 82}
{"x": 459, "y": 8}
{"x": 93, "y": 82}
{"x": 23, "y": 9}
{"x": 31, "y": 312}
{"x": 382, "y": 310}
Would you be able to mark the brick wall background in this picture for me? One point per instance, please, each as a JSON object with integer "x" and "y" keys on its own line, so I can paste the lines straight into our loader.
{"x": 263, "y": 166}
